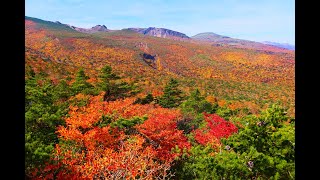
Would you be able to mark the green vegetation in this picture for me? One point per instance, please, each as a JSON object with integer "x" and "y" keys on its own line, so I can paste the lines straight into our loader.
{"x": 172, "y": 95}
{"x": 263, "y": 149}
{"x": 44, "y": 110}
{"x": 81, "y": 85}
{"x": 114, "y": 89}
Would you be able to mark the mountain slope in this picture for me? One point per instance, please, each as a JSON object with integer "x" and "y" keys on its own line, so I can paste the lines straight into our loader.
{"x": 247, "y": 75}
{"x": 209, "y": 36}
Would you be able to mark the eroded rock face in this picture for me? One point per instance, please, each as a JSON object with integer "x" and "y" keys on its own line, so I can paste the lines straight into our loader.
{"x": 148, "y": 56}
{"x": 150, "y": 59}
{"x": 161, "y": 32}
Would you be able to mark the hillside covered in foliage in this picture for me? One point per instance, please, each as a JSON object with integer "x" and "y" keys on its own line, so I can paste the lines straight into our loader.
{"x": 122, "y": 105}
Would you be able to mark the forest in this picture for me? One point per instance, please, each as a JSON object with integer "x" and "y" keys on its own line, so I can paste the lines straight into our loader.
{"x": 95, "y": 108}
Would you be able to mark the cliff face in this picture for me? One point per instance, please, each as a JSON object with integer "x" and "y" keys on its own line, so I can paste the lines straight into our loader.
{"x": 161, "y": 32}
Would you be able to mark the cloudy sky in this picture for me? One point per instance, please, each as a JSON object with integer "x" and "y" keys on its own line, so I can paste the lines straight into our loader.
{"x": 257, "y": 20}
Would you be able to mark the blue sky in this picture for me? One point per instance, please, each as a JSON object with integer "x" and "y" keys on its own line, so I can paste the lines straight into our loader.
{"x": 257, "y": 20}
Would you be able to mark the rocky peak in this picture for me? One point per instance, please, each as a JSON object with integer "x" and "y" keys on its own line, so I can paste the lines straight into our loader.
{"x": 159, "y": 32}
{"x": 94, "y": 29}
{"x": 162, "y": 32}
{"x": 102, "y": 28}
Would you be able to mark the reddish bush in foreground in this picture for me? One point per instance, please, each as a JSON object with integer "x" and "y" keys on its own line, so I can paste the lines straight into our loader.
{"x": 216, "y": 129}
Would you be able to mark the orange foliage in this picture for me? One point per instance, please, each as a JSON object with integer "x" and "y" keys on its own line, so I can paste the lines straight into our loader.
{"x": 266, "y": 69}
{"x": 109, "y": 152}
{"x": 211, "y": 99}
{"x": 222, "y": 103}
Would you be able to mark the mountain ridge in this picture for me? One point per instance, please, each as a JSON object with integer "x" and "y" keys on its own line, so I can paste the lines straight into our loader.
{"x": 204, "y": 37}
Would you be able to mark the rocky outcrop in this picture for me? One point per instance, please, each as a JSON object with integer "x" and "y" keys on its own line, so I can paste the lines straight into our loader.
{"x": 159, "y": 32}
{"x": 100, "y": 28}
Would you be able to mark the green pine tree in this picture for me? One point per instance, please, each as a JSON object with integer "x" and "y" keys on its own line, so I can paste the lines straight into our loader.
{"x": 42, "y": 116}
{"x": 81, "y": 85}
{"x": 172, "y": 96}
{"x": 196, "y": 103}
{"x": 146, "y": 100}
{"x": 112, "y": 85}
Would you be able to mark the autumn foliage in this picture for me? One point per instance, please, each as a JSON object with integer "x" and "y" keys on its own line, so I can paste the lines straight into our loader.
{"x": 224, "y": 71}
{"x": 89, "y": 151}
{"x": 136, "y": 126}
{"x": 216, "y": 129}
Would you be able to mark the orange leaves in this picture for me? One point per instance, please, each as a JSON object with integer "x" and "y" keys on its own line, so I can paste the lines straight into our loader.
{"x": 222, "y": 103}
{"x": 110, "y": 153}
{"x": 102, "y": 137}
{"x": 235, "y": 105}
{"x": 211, "y": 99}
{"x": 130, "y": 159}
{"x": 156, "y": 93}
{"x": 70, "y": 133}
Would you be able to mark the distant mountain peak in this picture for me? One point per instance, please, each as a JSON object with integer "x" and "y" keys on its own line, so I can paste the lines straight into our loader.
{"x": 208, "y": 36}
{"x": 102, "y": 28}
{"x": 160, "y": 32}
{"x": 94, "y": 29}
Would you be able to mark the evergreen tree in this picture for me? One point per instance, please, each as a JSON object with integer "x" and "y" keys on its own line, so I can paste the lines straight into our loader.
{"x": 42, "y": 116}
{"x": 105, "y": 77}
{"x": 112, "y": 85}
{"x": 29, "y": 72}
{"x": 81, "y": 85}
{"x": 196, "y": 103}
{"x": 146, "y": 100}
{"x": 63, "y": 91}
{"x": 172, "y": 96}
{"x": 192, "y": 110}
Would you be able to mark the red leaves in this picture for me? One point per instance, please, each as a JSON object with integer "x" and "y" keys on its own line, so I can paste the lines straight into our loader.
{"x": 216, "y": 128}
{"x": 162, "y": 129}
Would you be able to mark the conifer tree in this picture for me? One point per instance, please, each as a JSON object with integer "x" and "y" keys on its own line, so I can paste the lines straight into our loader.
{"x": 172, "y": 96}
{"x": 81, "y": 85}
{"x": 196, "y": 103}
{"x": 146, "y": 100}
{"x": 113, "y": 87}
